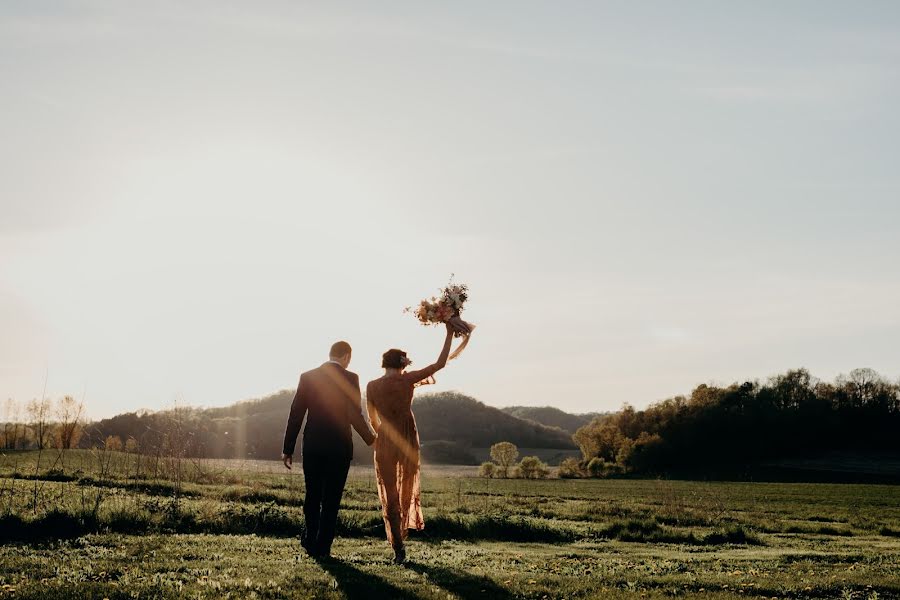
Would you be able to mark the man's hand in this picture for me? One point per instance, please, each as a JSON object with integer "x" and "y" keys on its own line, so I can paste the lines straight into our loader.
{"x": 287, "y": 459}
{"x": 372, "y": 439}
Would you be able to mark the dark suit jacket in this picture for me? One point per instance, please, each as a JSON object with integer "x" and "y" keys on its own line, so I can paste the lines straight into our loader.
{"x": 330, "y": 394}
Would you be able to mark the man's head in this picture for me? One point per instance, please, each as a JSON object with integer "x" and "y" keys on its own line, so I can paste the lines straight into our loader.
{"x": 340, "y": 353}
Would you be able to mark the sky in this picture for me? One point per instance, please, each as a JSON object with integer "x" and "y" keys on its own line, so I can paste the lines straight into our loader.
{"x": 197, "y": 199}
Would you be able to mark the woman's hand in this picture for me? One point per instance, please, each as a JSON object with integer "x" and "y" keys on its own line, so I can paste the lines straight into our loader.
{"x": 457, "y": 325}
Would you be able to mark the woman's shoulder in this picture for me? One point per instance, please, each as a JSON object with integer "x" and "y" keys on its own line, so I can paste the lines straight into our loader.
{"x": 389, "y": 384}
{"x": 376, "y": 384}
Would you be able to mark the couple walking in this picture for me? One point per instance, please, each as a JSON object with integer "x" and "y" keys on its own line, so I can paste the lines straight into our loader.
{"x": 329, "y": 398}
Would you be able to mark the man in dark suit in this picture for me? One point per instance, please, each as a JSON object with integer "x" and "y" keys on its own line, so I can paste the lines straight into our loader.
{"x": 330, "y": 394}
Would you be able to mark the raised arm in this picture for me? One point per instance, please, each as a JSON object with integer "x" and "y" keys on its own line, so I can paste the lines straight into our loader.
{"x": 294, "y": 422}
{"x": 441, "y": 362}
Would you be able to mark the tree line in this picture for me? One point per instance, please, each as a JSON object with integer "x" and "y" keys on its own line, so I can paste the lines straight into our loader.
{"x": 41, "y": 424}
{"x": 724, "y": 428}
{"x": 713, "y": 430}
{"x": 60, "y": 424}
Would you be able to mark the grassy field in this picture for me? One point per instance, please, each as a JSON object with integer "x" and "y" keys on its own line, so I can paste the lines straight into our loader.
{"x": 108, "y": 525}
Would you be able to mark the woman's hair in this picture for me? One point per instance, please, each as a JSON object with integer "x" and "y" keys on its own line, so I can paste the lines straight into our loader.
{"x": 394, "y": 359}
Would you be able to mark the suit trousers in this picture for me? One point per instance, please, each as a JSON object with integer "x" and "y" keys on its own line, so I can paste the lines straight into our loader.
{"x": 325, "y": 477}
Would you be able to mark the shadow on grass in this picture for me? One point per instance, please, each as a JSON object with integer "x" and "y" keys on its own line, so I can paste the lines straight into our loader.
{"x": 462, "y": 584}
{"x": 359, "y": 584}
{"x": 54, "y": 525}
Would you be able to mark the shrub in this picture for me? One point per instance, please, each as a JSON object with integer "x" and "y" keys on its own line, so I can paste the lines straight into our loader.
{"x": 569, "y": 469}
{"x": 488, "y": 469}
{"x": 598, "y": 467}
{"x": 532, "y": 467}
{"x": 113, "y": 443}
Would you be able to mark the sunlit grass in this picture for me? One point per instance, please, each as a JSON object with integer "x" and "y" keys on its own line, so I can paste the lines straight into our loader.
{"x": 89, "y": 524}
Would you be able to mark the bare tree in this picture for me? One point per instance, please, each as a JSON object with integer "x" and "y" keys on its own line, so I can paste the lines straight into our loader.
{"x": 39, "y": 420}
{"x": 69, "y": 429}
{"x": 487, "y": 469}
{"x": 863, "y": 387}
{"x": 532, "y": 467}
{"x": 12, "y": 414}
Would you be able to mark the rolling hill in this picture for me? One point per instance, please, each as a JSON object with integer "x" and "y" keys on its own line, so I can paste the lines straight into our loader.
{"x": 452, "y": 427}
{"x": 551, "y": 416}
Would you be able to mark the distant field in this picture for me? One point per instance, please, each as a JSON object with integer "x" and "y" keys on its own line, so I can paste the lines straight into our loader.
{"x": 551, "y": 456}
{"x": 94, "y": 525}
{"x": 356, "y": 471}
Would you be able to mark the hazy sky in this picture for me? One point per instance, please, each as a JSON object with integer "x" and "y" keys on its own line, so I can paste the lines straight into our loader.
{"x": 197, "y": 198}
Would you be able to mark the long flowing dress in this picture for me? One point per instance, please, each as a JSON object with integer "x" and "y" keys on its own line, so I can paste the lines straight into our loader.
{"x": 389, "y": 400}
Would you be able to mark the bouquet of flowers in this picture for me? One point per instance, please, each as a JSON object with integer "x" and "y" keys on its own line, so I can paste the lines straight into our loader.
{"x": 446, "y": 308}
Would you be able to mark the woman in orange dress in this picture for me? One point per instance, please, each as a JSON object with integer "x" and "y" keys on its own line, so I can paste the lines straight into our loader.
{"x": 389, "y": 400}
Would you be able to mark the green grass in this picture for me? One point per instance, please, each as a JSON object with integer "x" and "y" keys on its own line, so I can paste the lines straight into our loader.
{"x": 95, "y": 525}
